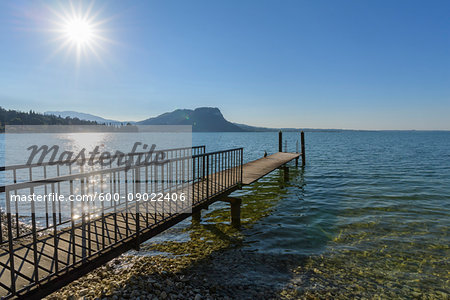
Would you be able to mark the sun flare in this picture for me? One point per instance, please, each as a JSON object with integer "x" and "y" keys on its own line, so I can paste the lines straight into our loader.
{"x": 79, "y": 30}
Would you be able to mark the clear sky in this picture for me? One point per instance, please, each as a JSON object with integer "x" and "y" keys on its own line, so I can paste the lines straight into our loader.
{"x": 319, "y": 64}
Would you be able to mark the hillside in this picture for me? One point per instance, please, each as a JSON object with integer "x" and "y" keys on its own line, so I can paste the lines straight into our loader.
{"x": 202, "y": 119}
{"x": 84, "y": 116}
{"x": 14, "y": 117}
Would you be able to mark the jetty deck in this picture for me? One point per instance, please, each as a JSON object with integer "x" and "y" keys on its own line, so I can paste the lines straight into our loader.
{"x": 254, "y": 170}
{"x": 41, "y": 260}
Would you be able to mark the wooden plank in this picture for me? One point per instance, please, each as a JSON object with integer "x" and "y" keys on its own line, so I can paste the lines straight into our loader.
{"x": 256, "y": 169}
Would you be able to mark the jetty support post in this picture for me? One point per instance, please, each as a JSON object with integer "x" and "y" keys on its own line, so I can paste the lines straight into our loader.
{"x": 235, "y": 204}
{"x": 286, "y": 173}
{"x": 197, "y": 217}
{"x": 235, "y": 212}
{"x": 280, "y": 141}
{"x": 302, "y": 136}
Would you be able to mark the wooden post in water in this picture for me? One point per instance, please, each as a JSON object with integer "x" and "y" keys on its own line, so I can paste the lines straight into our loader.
{"x": 286, "y": 173}
{"x": 280, "y": 141}
{"x": 302, "y": 135}
{"x": 197, "y": 217}
{"x": 235, "y": 212}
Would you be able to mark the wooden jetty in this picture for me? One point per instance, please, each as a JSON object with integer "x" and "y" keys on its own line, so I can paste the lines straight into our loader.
{"x": 42, "y": 259}
{"x": 254, "y": 170}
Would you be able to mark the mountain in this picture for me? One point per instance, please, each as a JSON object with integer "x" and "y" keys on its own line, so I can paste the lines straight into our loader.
{"x": 84, "y": 116}
{"x": 202, "y": 119}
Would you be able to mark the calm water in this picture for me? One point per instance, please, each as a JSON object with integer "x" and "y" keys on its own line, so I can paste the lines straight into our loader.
{"x": 370, "y": 211}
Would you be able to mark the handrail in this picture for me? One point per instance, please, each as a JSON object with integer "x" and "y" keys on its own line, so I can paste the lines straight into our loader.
{"x": 203, "y": 177}
{"x": 34, "y": 183}
{"x": 23, "y": 166}
{"x": 201, "y": 148}
{"x": 218, "y": 151}
{"x": 108, "y": 171}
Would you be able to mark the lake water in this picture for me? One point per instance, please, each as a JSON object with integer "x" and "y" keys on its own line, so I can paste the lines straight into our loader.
{"x": 368, "y": 215}
{"x": 369, "y": 212}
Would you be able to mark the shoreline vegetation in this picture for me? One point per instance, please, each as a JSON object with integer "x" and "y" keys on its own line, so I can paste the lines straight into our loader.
{"x": 19, "y": 122}
{"x": 14, "y": 117}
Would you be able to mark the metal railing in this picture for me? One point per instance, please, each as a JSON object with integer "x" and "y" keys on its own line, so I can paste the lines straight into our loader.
{"x": 49, "y": 238}
{"x": 30, "y": 172}
{"x": 49, "y": 183}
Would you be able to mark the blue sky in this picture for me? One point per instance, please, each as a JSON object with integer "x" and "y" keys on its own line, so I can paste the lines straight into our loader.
{"x": 320, "y": 64}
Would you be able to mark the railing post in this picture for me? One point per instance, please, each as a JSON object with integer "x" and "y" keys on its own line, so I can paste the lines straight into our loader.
{"x": 10, "y": 243}
{"x": 197, "y": 215}
{"x": 16, "y": 204}
{"x": 203, "y": 166}
{"x": 242, "y": 163}
{"x": 302, "y": 135}
{"x": 83, "y": 219}
{"x": 280, "y": 141}
{"x": 33, "y": 231}
{"x": 137, "y": 178}
{"x": 193, "y": 180}
{"x": 103, "y": 211}
{"x": 72, "y": 220}
{"x": 207, "y": 176}
{"x": 1, "y": 231}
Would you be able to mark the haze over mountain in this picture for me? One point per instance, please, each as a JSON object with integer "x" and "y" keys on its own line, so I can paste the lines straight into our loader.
{"x": 207, "y": 119}
{"x": 84, "y": 116}
{"x": 202, "y": 119}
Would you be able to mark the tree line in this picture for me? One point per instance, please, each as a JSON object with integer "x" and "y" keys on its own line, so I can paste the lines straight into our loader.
{"x": 14, "y": 117}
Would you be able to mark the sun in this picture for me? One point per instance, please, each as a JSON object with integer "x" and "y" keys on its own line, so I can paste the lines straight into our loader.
{"x": 80, "y": 30}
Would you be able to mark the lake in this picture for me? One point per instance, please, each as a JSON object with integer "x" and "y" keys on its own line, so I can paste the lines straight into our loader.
{"x": 369, "y": 211}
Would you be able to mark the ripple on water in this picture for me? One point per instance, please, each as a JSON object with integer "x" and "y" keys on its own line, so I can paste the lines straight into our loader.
{"x": 365, "y": 217}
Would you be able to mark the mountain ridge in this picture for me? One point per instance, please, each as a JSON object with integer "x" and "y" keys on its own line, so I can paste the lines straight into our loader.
{"x": 84, "y": 116}
{"x": 202, "y": 119}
